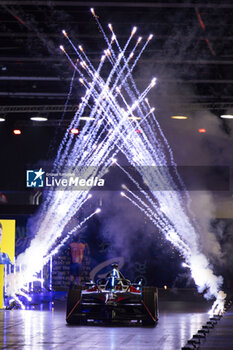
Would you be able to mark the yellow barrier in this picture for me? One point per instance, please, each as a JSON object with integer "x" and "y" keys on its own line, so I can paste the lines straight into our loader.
{"x": 7, "y": 249}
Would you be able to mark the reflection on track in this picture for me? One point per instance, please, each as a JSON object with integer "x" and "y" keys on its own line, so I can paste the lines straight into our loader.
{"x": 28, "y": 329}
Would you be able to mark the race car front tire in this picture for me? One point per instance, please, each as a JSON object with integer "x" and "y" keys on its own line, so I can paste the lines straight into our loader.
{"x": 149, "y": 299}
{"x": 73, "y": 300}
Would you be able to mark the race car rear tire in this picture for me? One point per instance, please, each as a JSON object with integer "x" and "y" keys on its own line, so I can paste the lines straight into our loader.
{"x": 150, "y": 302}
{"x": 73, "y": 298}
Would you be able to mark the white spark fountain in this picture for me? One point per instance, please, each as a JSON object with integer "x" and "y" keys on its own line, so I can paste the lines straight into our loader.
{"x": 118, "y": 110}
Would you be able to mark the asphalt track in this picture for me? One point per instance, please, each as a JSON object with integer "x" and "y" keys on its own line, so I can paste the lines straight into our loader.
{"x": 181, "y": 315}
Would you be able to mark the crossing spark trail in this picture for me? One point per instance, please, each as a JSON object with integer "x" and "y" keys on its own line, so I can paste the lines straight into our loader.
{"x": 117, "y": 109}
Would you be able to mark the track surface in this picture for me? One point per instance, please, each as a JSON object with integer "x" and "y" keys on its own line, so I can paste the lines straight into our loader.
{"x": 35, "y": 329}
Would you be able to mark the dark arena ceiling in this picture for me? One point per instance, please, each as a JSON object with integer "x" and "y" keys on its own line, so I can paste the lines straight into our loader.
{"x": 191, "y": 53}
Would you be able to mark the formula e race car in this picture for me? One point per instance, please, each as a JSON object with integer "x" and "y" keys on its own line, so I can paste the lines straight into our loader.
{"x": 112, "y": 299}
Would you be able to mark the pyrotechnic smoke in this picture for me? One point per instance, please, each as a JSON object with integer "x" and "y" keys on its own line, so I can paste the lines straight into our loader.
{"x": 204, "y": 208}
{"x": 113, "y": 103}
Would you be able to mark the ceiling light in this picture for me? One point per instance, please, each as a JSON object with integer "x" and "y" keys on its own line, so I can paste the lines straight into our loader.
{"x": 87, "y": 118}
{"x": 134, "y": 118}
{"x": 17, "y": 132}
{"x": 179, "y": 117}
{"x": 2, "y": 119}
{"x": 202, "y": 130}
{"x": 39, "y": 119}
{"x": 226, "y": 116}
{"x": 74, "y": 131}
